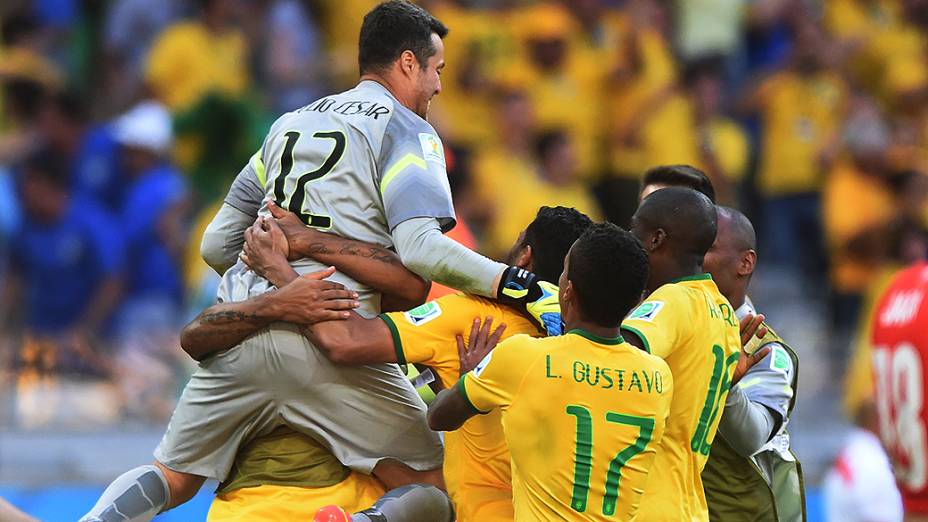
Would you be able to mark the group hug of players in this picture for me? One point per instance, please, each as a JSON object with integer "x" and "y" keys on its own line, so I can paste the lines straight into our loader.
{"x": 597, "y": 374}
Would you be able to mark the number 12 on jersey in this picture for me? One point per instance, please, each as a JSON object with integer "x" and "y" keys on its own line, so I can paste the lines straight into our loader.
{"x": 583, "y": 456}
{"x": 297, "y": 196}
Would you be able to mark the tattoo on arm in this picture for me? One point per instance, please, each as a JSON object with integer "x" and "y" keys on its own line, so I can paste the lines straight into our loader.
{"x": 349, "y": 249}
{"x": 228, "y": 316}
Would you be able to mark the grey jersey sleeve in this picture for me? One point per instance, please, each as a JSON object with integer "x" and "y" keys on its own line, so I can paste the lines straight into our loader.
{"x": 412, "y": 177}
{"x": 433, "y": 256}
{"x": 746, "y": 425}
{"x": 758, "y": 405}
{"x": 224, "y": 236}
{"x": 247, "y": 191}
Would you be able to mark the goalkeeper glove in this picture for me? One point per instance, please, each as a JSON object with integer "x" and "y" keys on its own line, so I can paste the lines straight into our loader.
{"x": 521, "y": 288}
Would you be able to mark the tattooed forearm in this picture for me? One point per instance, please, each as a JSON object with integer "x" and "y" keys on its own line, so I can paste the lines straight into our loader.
{"x": 351, "y": 248}
{"x": 229, "y": 316}
{"x": 223, "y": 326}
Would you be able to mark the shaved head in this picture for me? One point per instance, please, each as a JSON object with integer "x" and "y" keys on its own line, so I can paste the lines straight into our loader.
{"x": 733, "y": 256}
{"x": 736, "y": 229}
{"x": 687, "y": 218}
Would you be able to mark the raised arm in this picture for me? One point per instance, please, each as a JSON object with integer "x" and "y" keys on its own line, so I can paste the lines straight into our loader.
{"x": 369, "y": 264}
{"x": 305, "y": 300}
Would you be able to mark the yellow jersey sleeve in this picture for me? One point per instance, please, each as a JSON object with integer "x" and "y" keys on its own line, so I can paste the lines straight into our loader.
{"x": 495, "y": 381}
{"x": 426, "y": 334}
{"x": 657, "y": 320}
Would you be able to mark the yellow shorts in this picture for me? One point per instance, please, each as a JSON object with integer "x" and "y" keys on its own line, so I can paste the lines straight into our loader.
{"x": 483, "y": 504}
{"x": 286, "y": 503}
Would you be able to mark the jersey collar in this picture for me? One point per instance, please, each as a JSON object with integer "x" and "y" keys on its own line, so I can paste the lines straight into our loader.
{"x": 696, "y": 277}
{"x": 609, "y": 341}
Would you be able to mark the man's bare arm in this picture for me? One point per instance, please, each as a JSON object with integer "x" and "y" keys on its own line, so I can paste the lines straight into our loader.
{"x": 369, "y": 264}
{"x": 304, "y": 300}
{"x": 354, "y": 341}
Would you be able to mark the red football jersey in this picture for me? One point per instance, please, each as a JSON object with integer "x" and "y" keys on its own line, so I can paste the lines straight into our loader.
{"x": 900, "y": 359}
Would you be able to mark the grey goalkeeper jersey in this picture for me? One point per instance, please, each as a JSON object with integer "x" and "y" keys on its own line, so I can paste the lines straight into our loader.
{"x": 355, "y": 164}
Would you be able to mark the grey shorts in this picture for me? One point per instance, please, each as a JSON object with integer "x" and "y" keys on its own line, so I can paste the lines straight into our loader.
{"x": 363, "y": 414}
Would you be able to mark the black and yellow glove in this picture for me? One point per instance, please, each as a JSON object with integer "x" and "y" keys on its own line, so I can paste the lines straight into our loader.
{"x": 521, "y": 288}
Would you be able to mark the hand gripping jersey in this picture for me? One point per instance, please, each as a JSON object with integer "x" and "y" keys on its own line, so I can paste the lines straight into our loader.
{"x": 900, "y": 356}
{"x": 355, "y": 164}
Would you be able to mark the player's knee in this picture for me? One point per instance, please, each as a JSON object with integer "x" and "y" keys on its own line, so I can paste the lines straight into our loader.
{"x": 181, "y": 486}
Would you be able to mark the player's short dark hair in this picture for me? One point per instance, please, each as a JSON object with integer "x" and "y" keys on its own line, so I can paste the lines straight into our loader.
{"x": 608, "y": 269}
{"x": 550, "y": 235}
{"x": 688, "y": 218}
{"x": 393, "y": 27}
{"x": 680, "y": 176}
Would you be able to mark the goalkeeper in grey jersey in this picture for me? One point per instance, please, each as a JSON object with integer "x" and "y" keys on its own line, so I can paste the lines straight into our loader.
{"x": 366, "y": 165}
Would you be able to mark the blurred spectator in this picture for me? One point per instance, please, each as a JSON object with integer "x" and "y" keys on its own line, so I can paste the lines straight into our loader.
{"x": 91, "y": 153}
{"x": 194, "y": 57}
{"x": 19, "y": 129}
{"x": 154, "y": 224}
{"x": 645, "y": 108}
{"x": 860, "y": 487}
{"x": 802, "y": 108}
{"x": 886, "y": 52}
{"x": 153, "y": 218}
{"x": 556, "y": 183}
{"x": 858, "y": 206}
{"x": 292, "y": 71}
{"x": 723, "y": 145}
{"x": 21, "y": 54}
{"x": 485, "y": 44}
{"x": 66, "y": 270}
{"x": 130, "y": 27}
{"x": 563, "y": 89}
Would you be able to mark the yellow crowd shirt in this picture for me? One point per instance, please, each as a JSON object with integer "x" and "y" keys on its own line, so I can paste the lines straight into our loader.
{"x": 187, "y": 61}
{"x": 476, "y": 465}
{"x": 690, "y": 325}
{"x": 583, "y": 417}
{"x": 801, "y": 115}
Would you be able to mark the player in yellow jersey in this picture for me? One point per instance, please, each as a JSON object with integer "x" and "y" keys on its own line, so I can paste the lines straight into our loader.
{"x": 476, "y": 471}
{"x": 584, "y": 412}
{"x": 688, "y": 323}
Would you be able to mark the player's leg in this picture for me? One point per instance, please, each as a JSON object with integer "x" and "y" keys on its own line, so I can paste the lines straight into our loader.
{"x": 135, "y": 496}
{"x": 410, "y": 503}
{"x": 218, "y": 411}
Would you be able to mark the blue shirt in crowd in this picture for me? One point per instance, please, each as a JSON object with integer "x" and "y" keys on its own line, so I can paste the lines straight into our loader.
{"x": 97, "y": 170}
{"x": 152, "y": 271}
{"x": 63, "y": 264}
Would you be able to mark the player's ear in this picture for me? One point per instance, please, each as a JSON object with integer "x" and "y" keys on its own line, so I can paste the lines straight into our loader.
{"x": 657, "y": 240}
{"x": 408, "y": 62}
{"x": 525, "y": 258}
{"x": 747, "y": 263}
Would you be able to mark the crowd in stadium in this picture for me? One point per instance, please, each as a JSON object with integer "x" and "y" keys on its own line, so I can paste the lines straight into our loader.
{"x": 124, "y": 122}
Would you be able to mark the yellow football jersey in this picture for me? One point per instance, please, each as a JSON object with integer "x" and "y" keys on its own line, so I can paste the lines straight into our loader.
{"x": 583, "y": 417}
{"x": 476, "y": 467}
{"x": 689, "y": 324}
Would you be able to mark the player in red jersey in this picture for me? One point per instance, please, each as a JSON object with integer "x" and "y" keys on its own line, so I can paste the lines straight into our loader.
{"x": 900, "y": 360}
